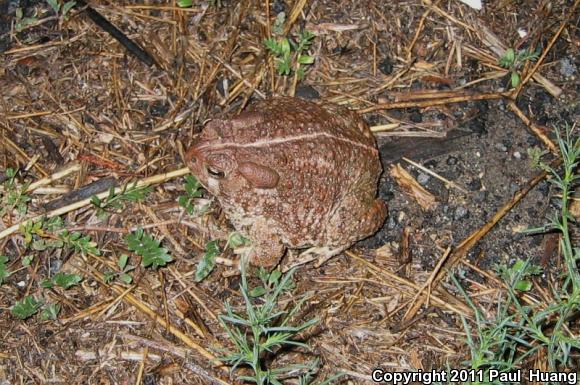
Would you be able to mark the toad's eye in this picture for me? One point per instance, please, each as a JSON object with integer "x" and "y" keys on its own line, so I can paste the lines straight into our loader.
{"x": 215, "y": 173}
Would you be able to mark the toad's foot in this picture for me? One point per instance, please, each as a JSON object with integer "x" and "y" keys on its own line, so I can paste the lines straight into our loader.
{"x": 322, "y": 254}
{"x": 267, "y": 248}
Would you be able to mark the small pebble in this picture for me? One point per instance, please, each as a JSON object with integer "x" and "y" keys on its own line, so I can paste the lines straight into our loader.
{"x": 307, "y": 92}
{"x": 431, "y": 164}
{"x": 451, "y": 161}
{"x": 386, "y": 66}
{"x": 278, "y": 6}
{"x": 474, "y": 185}
{"x": 480, "y": 196}
{"x": 423, "y": 179}
{"x": 460, "y": 212}
{"x": 401, "y": 217}
{"x": 55, "y": 265}
{"x": 567, "y": 67}
{"x": 415, "y": 116}
{"x": 501, "y": 147}
{"x": 517, "y": 155}
{"x": 514, "y": 187}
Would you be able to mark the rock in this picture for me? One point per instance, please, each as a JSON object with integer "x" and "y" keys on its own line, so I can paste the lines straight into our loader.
{"x": 386, "y": 66}
{"x": 474, "y": 185}
{"x": 278, "y": 6}
{"x": 423, "y": 179}
{"x": 460, "y": 212}
{"x": 307, "y": 92}
{"x": 501, "y": 147}
{"x": 567, "y": 67}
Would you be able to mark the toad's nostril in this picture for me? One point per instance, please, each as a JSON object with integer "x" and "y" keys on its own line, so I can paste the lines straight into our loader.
{"x": 190, "y": 157}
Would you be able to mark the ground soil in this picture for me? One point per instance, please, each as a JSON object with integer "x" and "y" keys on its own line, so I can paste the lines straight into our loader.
{"x": 72, "y": 93}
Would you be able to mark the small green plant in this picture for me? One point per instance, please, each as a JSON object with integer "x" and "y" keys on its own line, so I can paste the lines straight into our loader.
{"x": 519, "y": 274}
{"x": 13, "y": 197}
{"x": 63, "y": 280}
{"x": 45, "y": 234}
{"x": 264, "y": 328}
{"x": 21, "y": 21}
{"x": 26, "y": 307}
{"x": 27, "y": 260}
{"x": 290, "y": 55}
{"x": 152, "y": 253}
{"x": 515, "y": 61}
{"x": 115, "y": 200}
{"x": 212, "y": 251}
{"x": 207, "y": 263}
{"x": 192, "y": 191}
{"x": 3, "y": 268}
{"x": 32, "y": 230}
{"x": 79, "y": 243}
{"x": 184, "y": 3}
{"x": 536, "y": 155}
{"x": 123, "y": 275}
{"x": 50, "y": 312}
{"x": 62, "y": 9}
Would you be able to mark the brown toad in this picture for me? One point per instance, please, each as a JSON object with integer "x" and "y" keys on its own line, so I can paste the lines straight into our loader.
{"x": 290, "y": 173}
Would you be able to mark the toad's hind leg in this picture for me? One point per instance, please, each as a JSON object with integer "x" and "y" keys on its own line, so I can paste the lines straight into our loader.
{"x": 267, "y": 248}
{"x": 353, "y": 220}
{"x": 356, "y": 218}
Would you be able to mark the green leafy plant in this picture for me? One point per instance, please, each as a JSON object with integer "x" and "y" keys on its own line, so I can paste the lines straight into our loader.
{"x": 184, "y": 3}
{"x": 522, "y": 270}
{"x": 123, "y": 275}
{"x": 290, "y": 55}
{"x": 3, "y": 268}
{"x": 39, "y": 228}
{"x": 22, "y": 21}
{"x": 207, "y": 263}
{"x": 62, "y": 9}
{"x": 40, "y": 236}
{"x": 63, "y": 280}
{"x": 26, "y": 307}
{"x": 27, "y": 260}
{"x": 515, "y": 61}
{"x": 50, "y": 312}
{"x": 264, "y": 327}
{"x": 79, "y": 242}
{"x": 519, "y": 330}
{"x": 115, "y": 200}
{"x": 192, "y": 191}
{"x": 236, "y": 240}
{"x": 212, "y": 251}
{"x": 13, "y": 197}
{"x": 151, "y": 252}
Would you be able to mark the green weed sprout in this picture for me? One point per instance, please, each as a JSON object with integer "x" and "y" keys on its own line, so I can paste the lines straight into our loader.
{"x": 515, "y": 61}
{"x": 13, "y": 197}
{"x": 290, "y": 56}
{"x": 263, "y": 329}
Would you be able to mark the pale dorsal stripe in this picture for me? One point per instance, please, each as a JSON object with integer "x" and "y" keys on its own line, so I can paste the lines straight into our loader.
{"x": 267, "y": 142}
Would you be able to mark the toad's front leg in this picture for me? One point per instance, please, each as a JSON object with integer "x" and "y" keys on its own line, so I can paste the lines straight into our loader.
{"x": 267, "y": 248}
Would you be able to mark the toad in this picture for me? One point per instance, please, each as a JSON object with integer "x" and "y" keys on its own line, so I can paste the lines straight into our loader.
{"x": 290, "y": 173}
